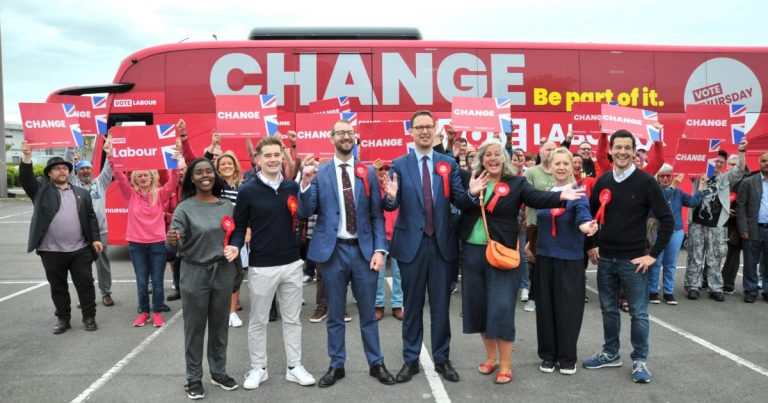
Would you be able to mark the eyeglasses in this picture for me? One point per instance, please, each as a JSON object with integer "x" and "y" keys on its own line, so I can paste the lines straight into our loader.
{"x": 423, "y": 128}
{"x": 344, "y": 133}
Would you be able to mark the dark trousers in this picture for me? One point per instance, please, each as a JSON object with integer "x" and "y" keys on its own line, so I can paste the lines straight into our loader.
{"x": 206, "y": 291}
{"x": 427, "y": 273}
{"x": 755, "y": 251}
{"x": 348, "y": 264}
{"x": 559, "y": 308}
{"x": 78, "y": 263}
{"x": 320, "y": 299}
{"x": 732, "y": 260}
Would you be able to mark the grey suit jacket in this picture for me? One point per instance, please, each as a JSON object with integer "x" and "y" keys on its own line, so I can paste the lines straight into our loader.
{"x": 748, "y": 205}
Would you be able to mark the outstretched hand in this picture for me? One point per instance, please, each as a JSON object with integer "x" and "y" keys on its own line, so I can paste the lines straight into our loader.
{"x": 571, "y": 193}
{"x": 390, "y": 186}
{"x": 478, "y": 183}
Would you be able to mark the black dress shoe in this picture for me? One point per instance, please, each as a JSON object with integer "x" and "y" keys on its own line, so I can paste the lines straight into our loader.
{"x": 173, "y": 296}
{"x": 379, "y": 371}
{"x": 409, "y": 369}
{"x": 330, "y": 377}
{"x": 90, "y": 324}
{"x": 447, "y": 371}
{"x": 61, "y": 326}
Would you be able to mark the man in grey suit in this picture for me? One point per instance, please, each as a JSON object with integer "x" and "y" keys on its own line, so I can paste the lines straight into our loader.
{"x": 752, "y": 219}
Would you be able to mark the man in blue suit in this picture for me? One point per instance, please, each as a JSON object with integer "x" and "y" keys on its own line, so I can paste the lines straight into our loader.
{"x": 349, "y": 242}
{"x": 424, "y": 243}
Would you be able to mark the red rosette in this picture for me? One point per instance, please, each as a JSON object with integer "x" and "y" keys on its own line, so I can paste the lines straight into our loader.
{"x": 228, "y": 225}
{"x": 604, "y": 198}
{"x": 361, "y": 171}
{"x": 555, "y": 212}
{"x": 293, "y": 207}
{"x": 443, "y": 169}
{"x": 501, "y": 189}
{"x": 732, "y": 197}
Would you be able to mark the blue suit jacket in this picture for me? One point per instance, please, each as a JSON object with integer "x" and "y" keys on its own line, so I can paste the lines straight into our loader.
{"x": 409, "y": 227}
{"x": 322, "y": 198}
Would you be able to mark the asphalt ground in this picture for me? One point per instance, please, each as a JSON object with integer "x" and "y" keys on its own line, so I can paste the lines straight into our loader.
{"x": 700, "y": 350}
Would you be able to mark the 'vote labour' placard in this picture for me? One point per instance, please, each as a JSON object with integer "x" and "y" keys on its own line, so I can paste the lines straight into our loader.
{"x": 143, "y": 147}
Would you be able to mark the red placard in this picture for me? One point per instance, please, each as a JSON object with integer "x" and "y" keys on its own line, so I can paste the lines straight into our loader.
{"x": 50, "y": 125}
{"x": 481, "y": 114}
{"x": 143, "y": 147}
{"x": 313, "y": 134}
{"x": 252, "y": 116}
{"x": 586, "y": 117}
{"x": 693, "y": 156}
{"x": 637, "y": 121}
{"x": 724, "y": 122}
{"x": 331, "y": 105}
{"x": 382, "y": 140}
{"x": 85, "y": 113}
{"x": 153, "y": 102}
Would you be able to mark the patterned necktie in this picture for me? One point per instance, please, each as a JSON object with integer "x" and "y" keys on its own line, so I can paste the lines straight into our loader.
{"x": 349, "y": 200}
{"x": 426, "y": 185}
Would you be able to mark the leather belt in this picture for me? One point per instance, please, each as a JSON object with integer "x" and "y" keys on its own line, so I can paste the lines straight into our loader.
{"x": 347, "y": 241}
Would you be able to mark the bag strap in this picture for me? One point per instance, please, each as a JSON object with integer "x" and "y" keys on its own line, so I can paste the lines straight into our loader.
{"x": 485, "y": 222}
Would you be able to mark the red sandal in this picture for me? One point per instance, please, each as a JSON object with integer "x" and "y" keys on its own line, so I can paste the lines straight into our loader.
{"x": 503, "y": 377}
{"x": 487, "y": 369}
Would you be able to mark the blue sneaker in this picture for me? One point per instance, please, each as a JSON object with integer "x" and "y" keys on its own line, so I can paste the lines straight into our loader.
{"x": 640, "y": 373}
{"x": 601, "y": 360}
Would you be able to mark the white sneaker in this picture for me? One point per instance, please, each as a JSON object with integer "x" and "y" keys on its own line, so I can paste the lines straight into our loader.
{"x": 299, "y": 375}
{"x": 234, "y": 320}
{"x": 255, "y": 377}
{"x": 524, "y": 295}
{"x": 530, "y": 306}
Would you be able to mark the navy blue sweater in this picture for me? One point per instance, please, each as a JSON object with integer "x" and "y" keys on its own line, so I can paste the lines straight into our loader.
{"x": 265, "y": 211}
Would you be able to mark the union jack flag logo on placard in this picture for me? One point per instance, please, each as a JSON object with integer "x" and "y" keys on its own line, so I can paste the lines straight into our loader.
{"x": 714, "y": 147}
{"x": 650, "y": 115}
{"x": 70, "y": 111}
{"x": 271, "y": 125}
{"x": 77, "y": 135}
{"x": 166, "y": 131}
{"x": 653, "y": 133}
{"x": 101, "y": 124}
{"x": 738, "y": 130}
{"x": 505, "y": 118}
{"x": 268, "y": 101}
{"x": 98, "y": 102}
{"x": 168, "y": 152}
{"x": 502, "y": 102}
{"x": 406, "y": 127}
{"x": 343, "y": 101}
{"x": 351, "y": 117}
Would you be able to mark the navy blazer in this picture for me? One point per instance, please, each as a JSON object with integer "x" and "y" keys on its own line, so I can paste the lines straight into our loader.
{"x": 322, "y": 198}
{"x": 409, "y": 227}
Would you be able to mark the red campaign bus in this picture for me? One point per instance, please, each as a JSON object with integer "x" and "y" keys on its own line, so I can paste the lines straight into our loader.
{"x": 390, "y": 73}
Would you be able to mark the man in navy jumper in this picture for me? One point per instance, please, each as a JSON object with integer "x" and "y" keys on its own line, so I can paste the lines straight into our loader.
{"x": 268, "y": 205}
{"x": 623, "y": 259}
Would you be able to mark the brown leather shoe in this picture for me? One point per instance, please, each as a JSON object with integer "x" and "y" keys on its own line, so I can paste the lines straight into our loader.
{"x": 107, "y": 300}
{"x": 378, "y": 312}
{"x": 397, "y": 313}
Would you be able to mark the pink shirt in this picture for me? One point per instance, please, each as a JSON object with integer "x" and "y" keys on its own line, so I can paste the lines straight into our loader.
{"x": 146, "y": 221}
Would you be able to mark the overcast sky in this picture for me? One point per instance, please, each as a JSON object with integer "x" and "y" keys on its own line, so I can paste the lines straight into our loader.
{"x": 47, "y": 45}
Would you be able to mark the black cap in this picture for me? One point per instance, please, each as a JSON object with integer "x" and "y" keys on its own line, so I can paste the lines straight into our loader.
{"x": 56, "y": 161}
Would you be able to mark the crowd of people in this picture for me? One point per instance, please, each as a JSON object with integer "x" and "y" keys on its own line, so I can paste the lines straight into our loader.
{"x": 426, "y": 216}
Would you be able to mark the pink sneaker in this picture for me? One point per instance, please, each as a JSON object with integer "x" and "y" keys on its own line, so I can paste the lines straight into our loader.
{"x": 141, "y": 319}
{"x": 157, "y": 319}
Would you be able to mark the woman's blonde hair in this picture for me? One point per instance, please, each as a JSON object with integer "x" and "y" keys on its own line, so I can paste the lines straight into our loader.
{"x": 559, "y": 150}
{"x": 231, "y": 155}
{"x": 507, "y": 170}
{"x": 153, "y": 185}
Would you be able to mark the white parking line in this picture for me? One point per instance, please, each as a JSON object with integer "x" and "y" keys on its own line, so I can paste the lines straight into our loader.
{"x": 14, "y": 215}
{"x": 435, "y": 383}
{"x": 34, "y": 287}
{"x": 125, "y": 361}
{"x": 698, "y": 340}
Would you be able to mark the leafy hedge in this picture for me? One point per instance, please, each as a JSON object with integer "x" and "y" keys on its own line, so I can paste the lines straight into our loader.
{"x": 13, "y": 174}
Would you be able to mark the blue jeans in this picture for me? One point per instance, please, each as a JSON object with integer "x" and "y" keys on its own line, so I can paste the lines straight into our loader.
{"x": 523, "y": 268}
{"x": 612, "y": 274}
{"x": 667, "y": 260}
{"x": 148, "y": 260}
{"x": 754, "y": 252}
{"x": 397, "y": 289}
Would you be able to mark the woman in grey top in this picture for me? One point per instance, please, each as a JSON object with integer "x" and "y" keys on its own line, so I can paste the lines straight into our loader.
{"x": 207, "y": 274}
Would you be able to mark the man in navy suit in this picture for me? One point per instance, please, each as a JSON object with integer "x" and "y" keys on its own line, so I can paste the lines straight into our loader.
{"x": 424, "y": 243}
{"x": 350, "y": 243}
